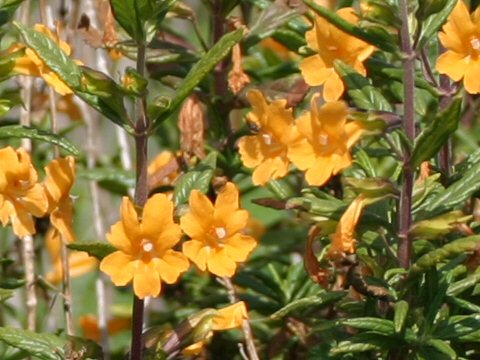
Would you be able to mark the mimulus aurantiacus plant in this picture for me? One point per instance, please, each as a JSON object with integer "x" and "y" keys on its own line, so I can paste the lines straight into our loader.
{"x": 22, "y": 197}
{"x": 266, "y": 151}
{"x": 144, "y": 244}
{"x": 216, "y": 230}
{"x": 322, "y": 140}
{"x": 330, "y": 44}
{"x": 461, "y": 37}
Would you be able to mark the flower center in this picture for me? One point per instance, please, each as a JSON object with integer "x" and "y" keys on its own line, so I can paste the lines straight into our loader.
{"x": 267, "y": 138}
{"x": 147, "y": 245}
{"x": 475, "y": 42}
{"x": 221, "y": 232}
{"x": 323, "y": 139}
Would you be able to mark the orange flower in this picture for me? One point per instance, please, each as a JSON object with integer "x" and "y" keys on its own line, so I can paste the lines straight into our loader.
{"x": 21, "y": 196}
{"x": 267, "y": 150}
{"x": 217, "y": 242}
{"x": 461, "y": 38}
{"x": 163, "y": 170}
{"x": 58, "y": 183}
{"x": 91, "y": 330}
{"x": 31, "y": 64}
{"x": 321, "y": 143}
{"x": 79, "y": 262}
{"x": 343, "y": 241}
{"x": 145, "y": 247}
{"x": 331, "y": 44}
{"x": 230, "y": 317}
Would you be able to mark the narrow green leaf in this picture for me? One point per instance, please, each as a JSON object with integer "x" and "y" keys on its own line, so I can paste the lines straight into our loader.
{"x": 365, "y": 341}
{"x": 6, "y": 294}
{"x": 43, "y": 346}
{"x": 201, "y": 69}
{"x": 460, "y": 286}
{"x": 110, "y": 174}
{"x": 434, "y": 22}
{"x": 362, "y": 92}
{"x": 21, "y": 132}
{"x": 381, "y": 40}
{"x": 463, "y": 304}
{"x": 373, "y": 324}
{"x": 7, "y": 10}
{"x": 199, "y": 178}
{"x": 434, "y": 257}
{"x": 125, "y": 12}
{"x": 431, "y": 139}
{"x": 95, "y": 249}
{"x": 457, "y": 326}
{"x": 454, "y": 195}
{"x": 52, "y": 55}
{"x": 442, "y": 347}
{"x": 308, "y": 302}
{"x": 401, "y": 311}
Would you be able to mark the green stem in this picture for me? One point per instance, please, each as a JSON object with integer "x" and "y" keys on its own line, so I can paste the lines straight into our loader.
{"x": 405, "y": 206}
{"x": 142, "y": 126}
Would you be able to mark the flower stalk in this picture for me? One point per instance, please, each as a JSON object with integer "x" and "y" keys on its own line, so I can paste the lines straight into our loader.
{"x": 141, "y": 195}
{"x": 405, "y": 206}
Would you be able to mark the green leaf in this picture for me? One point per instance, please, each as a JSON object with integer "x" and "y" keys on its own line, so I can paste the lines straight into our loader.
{"x": 442, "y": 347}
{"x": 7, "y": 10}
{"x": 80, "y": 348}
{"x": 201, "y": 69}
{"x": 434, "y": 22}
{"x": 52, "y": 55}
{"x": 21, "y": 132}
{"x": 113, "y": 175}
{"x": 457, "y": 326}
{"x": 401, "y": 311}
{"x": 322, "y": 299}
{"x": 454, "y": 195}
{"x": 381, "y": 40}
{"x": 199, "y": 178}
{"x": 43, "y": 346}
{"x": 434, "y": 257}
{"x": 104, "y": 95}
{"x": 373, "y": 324}
{"x": 436, "y": 135}
{"x": 95, "y": 249}
{"x": 6, "y": 294}
{"x": 362, "y": 92}
{"x": 125, "y": 12}
{"x": 365, "y": 341}
{"x": 460, "y": 286}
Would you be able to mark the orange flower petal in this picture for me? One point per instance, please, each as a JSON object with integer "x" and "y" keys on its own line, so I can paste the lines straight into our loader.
{"x": 230, "y": 317}
{"x": 220, "y": 264}
{"x": 146, "y": 282}
{"x": 452, "y": 64}
{"x": 171, "y": 265}
{"x": 250, "y": 148}
{"x": 472, "y": 75}
{"x": 119, "y": 266}
{"x": 197, "y": 252}
{"x": 239, "y": 246}
{"x": 314, "y": 70}
{"x": 226, "y": 203}
{"x": 119, "y": 239}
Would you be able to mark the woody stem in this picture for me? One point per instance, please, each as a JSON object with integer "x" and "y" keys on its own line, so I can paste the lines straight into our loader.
{"x": 405, "y": 206}
{"x": 142, "y": 126}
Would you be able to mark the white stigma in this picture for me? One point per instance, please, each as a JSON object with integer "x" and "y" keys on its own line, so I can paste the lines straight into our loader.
{"x": 221, "y": 232}
{"x": 267, "y": 139}
{"x": 475, "y": 43}
{"x": 323, "y": 138}
{"x": 147, "y": 246}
